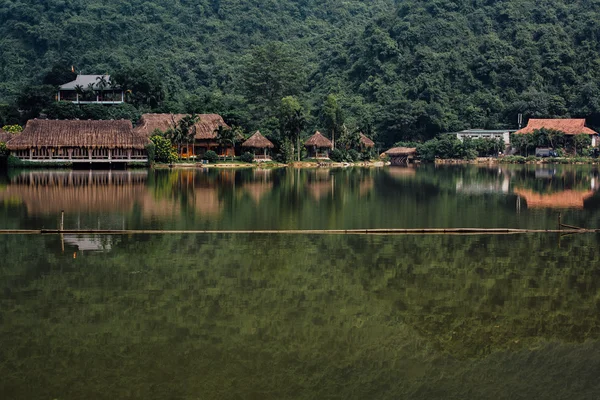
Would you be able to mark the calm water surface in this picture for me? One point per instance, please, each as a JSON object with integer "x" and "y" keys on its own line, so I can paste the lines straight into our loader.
{"x": 300, "y": 317}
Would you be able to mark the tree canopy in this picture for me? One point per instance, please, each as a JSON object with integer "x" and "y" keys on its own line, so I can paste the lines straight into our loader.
{"x": 400, "y": 70}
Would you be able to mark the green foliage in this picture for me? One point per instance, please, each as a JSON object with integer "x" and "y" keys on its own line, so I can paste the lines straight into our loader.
{"x": 332, "y": 117}
{"x": 182, "y": 131}
{"x": 406, "y": 70}
{"x": 143, "y": 86}
{"x": 151, "y": 152}
{"x": 3, "y": 150}
{"x": 211, "y": 156}
{"x": 292, "y": 120}
{"x": 337, "y": 155}
{"x": 163, "y": 150}
{"x": 12, "y": 128}
{"x": 247, "y": 157}
{"x": 286, "y": 152}
{"x": 580, "y": 144}
{"x": 270, "y": 73}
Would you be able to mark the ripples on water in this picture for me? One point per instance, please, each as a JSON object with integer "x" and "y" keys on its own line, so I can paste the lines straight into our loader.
{"x": 310, "y": 317}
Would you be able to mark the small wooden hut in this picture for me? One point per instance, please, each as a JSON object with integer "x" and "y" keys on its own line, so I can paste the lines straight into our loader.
{"x": 206, "y": 132}
{"x": 318, "y": 146}
{"x": 401, "y": 155}
{"x": 365, "y": 142}
{"x": 258, "y": 142}
{"x": 79, "y": 142}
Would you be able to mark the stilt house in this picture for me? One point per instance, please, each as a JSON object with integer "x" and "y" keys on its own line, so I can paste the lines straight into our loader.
{"x": 79, "y": 142}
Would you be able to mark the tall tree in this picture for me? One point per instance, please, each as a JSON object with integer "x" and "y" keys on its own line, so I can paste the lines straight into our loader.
{"x": 292, "y": 120}
{"x": 270, "y": 73}
{"x": 332, "y": 117}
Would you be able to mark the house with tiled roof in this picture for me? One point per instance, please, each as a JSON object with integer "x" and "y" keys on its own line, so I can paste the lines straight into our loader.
{"x": 91, "y": 89}
{"x": 569, "y": 127}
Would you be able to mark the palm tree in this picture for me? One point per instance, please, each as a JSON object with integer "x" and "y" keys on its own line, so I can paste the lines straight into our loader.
{"x": 79, "y": 89}
{"x": 226, "y": 137}
{"x": 182, "y": 131}
{"x": 102, "y": 84}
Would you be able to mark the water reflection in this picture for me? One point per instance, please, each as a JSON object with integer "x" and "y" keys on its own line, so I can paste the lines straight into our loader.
{"x": 310, "y": 317}
{"x": 396, "y": 197}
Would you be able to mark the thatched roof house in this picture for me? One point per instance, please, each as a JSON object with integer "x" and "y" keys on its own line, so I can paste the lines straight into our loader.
{"x": 75, "y": 133}
{"x": 75, "y": 140}
{"x": 400, "y": 155}
{"x": 205, "y": 127}
{"x": 258, "y": 141}
{"x": 319, "y": 141}
{"x": 318, "y": 146}
{"x": 365, "y": 141}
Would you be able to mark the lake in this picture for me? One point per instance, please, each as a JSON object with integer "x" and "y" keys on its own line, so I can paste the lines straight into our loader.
{"x": 271, "y": 316}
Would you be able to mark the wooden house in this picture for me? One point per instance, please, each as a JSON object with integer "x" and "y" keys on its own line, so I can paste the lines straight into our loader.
{"x": 569, "y": 127}
{"x": 318, "y": 146}
{"x": 256, "y": 143}
{"x": 91, "y": 89}
{"x": 401, "y": 155}
{"x": 205, "y": 137}
{"x": 79, "y": 142}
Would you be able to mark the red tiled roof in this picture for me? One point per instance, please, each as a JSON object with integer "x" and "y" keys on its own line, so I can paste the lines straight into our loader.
{"x": 568, "y": 126}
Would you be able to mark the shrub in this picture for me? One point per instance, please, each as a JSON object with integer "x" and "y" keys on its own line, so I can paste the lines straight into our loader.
{"x": 210, "y": 156}
{"x": 337, "y": 155}
{"x": 3, "y": 150}
{"x": 247, "y": 157}
{"x": 12, "y": 128}
{"x": 353, "y": 155}
{"x": 151, "y": 151}
{"x": 163, "y": 150}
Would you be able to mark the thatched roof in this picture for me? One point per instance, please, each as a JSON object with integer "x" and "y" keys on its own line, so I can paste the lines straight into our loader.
{"x": 401, "y": 151}
{"x": 75, "y": 133}
{"x": 568, "y": 126}
{"x": 205, "y": 127}
{"x": 258, "y": 141}
{"x": 365, "y": 141}
{"x": 5, "y": 136}
{"x": 318, "y": 140}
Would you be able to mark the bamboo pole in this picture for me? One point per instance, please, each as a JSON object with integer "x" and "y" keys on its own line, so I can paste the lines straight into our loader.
{"x": 424, "y": 231}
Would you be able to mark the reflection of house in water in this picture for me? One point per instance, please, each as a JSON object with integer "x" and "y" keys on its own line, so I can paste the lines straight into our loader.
{"x": 401, "y": 173}
{"x": 320, "y": 183}
{"x": 86, "y": 192}
{"x": 502, "y": 185}
{"x": 89, "y": 242}
{"x": 77, "y": 191}
{"x": 261, "y": 185}
{"x": 365, "y": 187}
{"x": 206, "y": 201}
{"x": 564, "y": 199}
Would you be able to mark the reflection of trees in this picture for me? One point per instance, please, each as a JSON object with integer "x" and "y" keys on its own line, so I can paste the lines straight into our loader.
{"x": 301, "y": 316}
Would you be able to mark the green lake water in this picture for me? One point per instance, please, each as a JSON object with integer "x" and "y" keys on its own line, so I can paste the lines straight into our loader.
{"x": 300, "y": 316}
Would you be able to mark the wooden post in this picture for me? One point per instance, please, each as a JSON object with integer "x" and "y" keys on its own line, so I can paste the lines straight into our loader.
{"x": 559, "y": 222}
{"x": 62, "y": 220}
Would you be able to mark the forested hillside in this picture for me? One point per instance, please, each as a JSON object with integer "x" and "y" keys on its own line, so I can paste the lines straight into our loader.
{"x": 404, "y": 69}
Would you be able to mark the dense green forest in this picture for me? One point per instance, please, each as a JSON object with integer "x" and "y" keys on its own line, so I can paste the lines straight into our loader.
{"x": 398, "y": 70}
